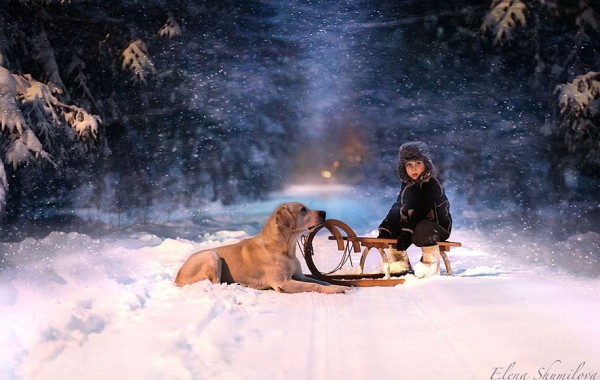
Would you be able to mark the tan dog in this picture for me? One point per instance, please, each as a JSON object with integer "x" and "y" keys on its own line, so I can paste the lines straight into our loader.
{"x": 265, "y": 261}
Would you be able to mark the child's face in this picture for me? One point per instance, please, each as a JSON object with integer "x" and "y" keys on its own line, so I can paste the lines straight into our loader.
{"x": 414, "y": 169}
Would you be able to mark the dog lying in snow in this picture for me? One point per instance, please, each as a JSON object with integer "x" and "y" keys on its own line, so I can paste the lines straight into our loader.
{"x": 265, "y": 261}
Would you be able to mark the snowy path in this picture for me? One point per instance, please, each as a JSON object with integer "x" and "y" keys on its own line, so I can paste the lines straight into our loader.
{"x": 145, "y": 328}
{"x": 98, "y": 309}
{"x": 459, "y": 328}
{"x": 447, "y": 328}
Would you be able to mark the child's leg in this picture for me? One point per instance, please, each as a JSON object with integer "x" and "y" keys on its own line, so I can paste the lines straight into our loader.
{"x": 430, "y": 262}
{"x": 398, "y": 262}
{"x": 428, "y": 232}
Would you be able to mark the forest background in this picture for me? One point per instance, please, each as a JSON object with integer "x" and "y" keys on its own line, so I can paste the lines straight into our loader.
{"x": 137, "y": 108}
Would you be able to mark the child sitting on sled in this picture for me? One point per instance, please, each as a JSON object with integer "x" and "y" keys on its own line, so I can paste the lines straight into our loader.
{"x": 420, "y": 215}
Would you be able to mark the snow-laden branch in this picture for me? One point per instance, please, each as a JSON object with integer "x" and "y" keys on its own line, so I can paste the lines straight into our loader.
{"x": 26, "y": 103}
{"x": 25, "y": 148}
{"x": 10, "y": 114}
{"x": 84, "y": 123}
{"x": 575, "y": 96}
{"x": 135, "y": 58}
{"x": 23, "y": 144}
{"x": 579, "y": 103}
{"x": 170, "y": 29}
{"x": 506, "y": 15}
{"x": 503, "y": 18}
{"x": 44, "y": 106}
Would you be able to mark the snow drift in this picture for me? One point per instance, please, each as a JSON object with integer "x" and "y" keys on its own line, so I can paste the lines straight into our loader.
{"x": 73, "y": 307}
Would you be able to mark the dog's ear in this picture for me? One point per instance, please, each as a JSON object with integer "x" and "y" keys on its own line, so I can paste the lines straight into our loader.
{"x": 284, "y": 217}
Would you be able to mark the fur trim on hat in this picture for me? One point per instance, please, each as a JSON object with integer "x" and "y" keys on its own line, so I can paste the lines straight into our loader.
{"x": 415, "y": 151}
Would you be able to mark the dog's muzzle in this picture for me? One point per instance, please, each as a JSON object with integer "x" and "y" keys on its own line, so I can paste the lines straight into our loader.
{"x": 322, "y": 218}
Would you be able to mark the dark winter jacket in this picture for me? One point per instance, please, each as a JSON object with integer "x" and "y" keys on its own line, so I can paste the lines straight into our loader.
{"x": 423, "y": 198}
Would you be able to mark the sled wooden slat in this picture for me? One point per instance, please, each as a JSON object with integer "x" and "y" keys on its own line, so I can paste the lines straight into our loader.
{"x": 357, "y": 280}
{"x": 344, "y": 243}
{"x": 373, "y": 242}
{"x": 369, "y": 283}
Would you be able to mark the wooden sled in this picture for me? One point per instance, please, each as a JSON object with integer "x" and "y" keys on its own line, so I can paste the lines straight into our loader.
{"x": 347, "y": 242}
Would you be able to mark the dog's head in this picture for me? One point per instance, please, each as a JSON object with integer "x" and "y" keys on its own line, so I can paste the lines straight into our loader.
{"x": 298, "y": 217}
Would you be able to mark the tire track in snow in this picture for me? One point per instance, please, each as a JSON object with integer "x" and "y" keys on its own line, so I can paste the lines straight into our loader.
{"x": 423, "y": 306}
{"x": 330, "y": 335}
{"x": 329, "y": 338}
{"x": 352, "y": 339}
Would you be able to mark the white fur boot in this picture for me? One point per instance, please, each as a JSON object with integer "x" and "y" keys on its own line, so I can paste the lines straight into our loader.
{"x": 430, "y": 262}
{"x": 398, "y": 262}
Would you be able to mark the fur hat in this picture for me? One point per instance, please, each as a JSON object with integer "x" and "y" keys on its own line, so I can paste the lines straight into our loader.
{"x": 415, "y": 151}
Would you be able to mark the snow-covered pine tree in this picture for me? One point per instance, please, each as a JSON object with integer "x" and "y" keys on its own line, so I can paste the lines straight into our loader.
{"x": 35, "y": 121}
{"x": 561, "y": 38}
{"x": 217, "y": 82}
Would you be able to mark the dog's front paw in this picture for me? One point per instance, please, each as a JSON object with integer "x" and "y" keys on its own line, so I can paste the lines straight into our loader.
{"x": 336, "y": 289}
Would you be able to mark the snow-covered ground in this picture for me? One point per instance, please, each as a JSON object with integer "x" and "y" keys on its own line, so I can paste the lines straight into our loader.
{"x": 77, "y": 307}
